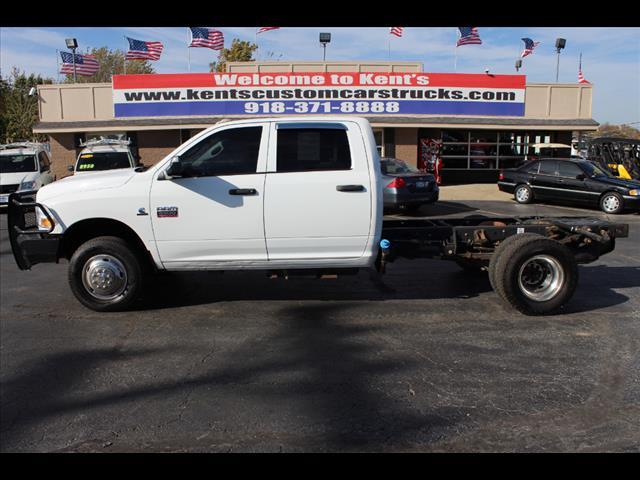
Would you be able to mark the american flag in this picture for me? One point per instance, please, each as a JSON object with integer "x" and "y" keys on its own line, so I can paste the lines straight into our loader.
{"x": 206, "y": 37}
{"x": 469, "y": 36}
{"x": 266, "y": 29}
{"x": 86, "y": 65}
{"x": 529, "y": 45}
{"x": 141, "y": 50}
{"x": 397, "y": 31}
{"x": 581, "y": 78}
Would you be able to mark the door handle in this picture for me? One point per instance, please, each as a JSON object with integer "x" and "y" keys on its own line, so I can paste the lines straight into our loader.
{"x": 243, "y": 191}
{"x": 350, "y": 188}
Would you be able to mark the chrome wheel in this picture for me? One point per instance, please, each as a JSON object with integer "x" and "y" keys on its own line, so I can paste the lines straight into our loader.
{"x": 523, "y": 194}
{"x": 610, "y": 203}
{"x": 104, "y": 277}
{"x": 541, "y": 278}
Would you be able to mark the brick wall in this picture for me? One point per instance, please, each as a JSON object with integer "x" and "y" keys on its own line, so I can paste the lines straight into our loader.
{"x": 154, "y": 145}
{"x": 63, "y": 153}
{"x": 407, "y": 145}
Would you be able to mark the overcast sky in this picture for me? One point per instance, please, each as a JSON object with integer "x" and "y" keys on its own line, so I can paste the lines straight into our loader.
{"x": 610, "y": 56}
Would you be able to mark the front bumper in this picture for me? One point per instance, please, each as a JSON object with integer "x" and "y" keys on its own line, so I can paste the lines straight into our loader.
{"x": 29, "y": 244}
{"x": 631, "y": 202}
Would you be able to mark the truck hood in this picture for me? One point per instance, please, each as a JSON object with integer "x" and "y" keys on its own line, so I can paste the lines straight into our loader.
{"x": 17, "y": 177}
{"x": 80, "y": 183}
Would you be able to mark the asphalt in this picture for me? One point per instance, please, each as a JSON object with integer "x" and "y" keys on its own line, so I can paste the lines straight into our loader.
{"x": 425, "y": 358}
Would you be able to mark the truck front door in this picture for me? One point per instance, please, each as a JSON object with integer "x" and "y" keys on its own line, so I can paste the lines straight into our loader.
{"x": 318, "y": 193}
{"x": 213, "y": 213}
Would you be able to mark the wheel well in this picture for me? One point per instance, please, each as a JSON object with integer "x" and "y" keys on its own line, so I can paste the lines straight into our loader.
{"x": 85, "y": 230}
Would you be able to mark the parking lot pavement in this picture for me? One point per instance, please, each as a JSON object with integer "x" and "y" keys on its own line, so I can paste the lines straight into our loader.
{"x": 424, "y": 358}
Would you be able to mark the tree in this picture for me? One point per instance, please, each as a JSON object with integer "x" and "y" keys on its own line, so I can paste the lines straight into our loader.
{"x": 619, "y": 131}
{"x": 240, "y": 51}
{"x": 18, "y": 109}
{"x": 111, "y": 63}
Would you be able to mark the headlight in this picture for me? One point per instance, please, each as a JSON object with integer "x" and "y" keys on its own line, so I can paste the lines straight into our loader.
{"x": 43, "y": 222}
{"x": 634, "y": 193}
{"x": 27, "y": 186}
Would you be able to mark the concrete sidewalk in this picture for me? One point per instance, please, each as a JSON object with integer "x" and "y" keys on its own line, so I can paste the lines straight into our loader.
{"x": 476, "y": 191}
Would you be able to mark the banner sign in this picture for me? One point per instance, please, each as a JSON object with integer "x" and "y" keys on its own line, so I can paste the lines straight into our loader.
{"x": 222, "y": 94}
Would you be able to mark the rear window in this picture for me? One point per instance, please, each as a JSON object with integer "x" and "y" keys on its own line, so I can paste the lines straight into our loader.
{"x": 89, "y": 162}
{"x": 532, "y": 168}
{"x": 305, "y": 149}
{"x": 17, "y": 163}
{"x": 548, "y": 168}
{"x": 394, "y": 167}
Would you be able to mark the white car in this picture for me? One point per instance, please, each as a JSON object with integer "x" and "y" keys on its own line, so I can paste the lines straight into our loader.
{"x": 23, "y": 166}
{"x": 104, "y": 154}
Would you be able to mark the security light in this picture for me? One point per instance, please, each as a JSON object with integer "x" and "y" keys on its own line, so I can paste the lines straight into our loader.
{"x": 71, "y": 43}
{"x": 518, "y": 65}
{"x": 325, "y": 38}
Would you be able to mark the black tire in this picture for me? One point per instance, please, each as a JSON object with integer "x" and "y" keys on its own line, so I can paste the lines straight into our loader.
{"x": 498, "y": 252}
{"x": 523, "y": 194}
{"x": 534, "y": 266}
{"x": 612, "y": 203}
{"x": 117, "y": 255}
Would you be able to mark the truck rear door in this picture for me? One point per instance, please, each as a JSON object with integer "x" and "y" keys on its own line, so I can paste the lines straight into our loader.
{"x": 317, "y": 192}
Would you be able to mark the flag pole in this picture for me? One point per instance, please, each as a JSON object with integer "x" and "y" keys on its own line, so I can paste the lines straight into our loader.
{"x": 189, "y": 53}
{"x": 257, "y": 47}
{"x": 58, "y": 63}
{"x": 124, "y": 58}
{"x": 455, "y": 56}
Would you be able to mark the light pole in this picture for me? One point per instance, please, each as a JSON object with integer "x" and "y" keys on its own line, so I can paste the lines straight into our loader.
{"x": 560, "y": 43}
{"x": 72, "y": 43}
{"x": 324, "y": 39}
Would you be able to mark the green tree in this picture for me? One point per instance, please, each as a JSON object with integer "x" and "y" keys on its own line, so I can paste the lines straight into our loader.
{"x": 618, "y": 131}
{"x": 111, "y": 63}
{"x": 240, "y": 51}
{"x": 18, "y": 109}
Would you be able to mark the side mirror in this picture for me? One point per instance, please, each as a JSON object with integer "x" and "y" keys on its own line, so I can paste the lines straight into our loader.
{"x": 176, "y": 169}
{"x": 70, "y": 168}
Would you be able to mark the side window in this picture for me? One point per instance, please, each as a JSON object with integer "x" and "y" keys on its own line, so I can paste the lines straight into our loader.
{"x": 532, "y": 168}
{"x": 305, "y": 149}
{"x": 43, "y": 160}
{"x": 568, "y": 169}
{"x": 548, "y": 168}
{"x": 229, "y": 152}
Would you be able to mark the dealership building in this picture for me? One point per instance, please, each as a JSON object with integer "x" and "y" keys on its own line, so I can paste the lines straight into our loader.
{"x": 408, "y": 110}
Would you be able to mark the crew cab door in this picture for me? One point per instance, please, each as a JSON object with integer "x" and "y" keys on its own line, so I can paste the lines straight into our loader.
{"x": 317, "y": 193}
{"x": 214, "y": 212}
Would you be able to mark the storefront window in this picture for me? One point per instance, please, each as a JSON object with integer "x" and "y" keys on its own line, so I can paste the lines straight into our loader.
{"x": 379, "y": 136}
{"x": 510, "y": 162}
{"x": 455, "y": 149}
{"x": 483, "y": 162}
{"x": 484, "y": 136}
{"x": 455, "y": 162}
{"x": 455, "y": 136}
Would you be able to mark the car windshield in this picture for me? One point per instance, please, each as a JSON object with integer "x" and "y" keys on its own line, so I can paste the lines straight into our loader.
{"x": 595, "y": 171}
{"x": 90, "y": 162}
{"x": 394, "y": 167}
{"x": 18, "y": 163}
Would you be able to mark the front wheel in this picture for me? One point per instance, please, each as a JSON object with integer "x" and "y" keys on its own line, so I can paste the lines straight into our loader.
{"x": 535, "y": 275}
{"x": 105, "y": 275}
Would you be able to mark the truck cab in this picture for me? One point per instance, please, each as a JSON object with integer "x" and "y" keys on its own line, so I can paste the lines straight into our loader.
{"x": 23, "y": 166}
{"x": 103, "y": 154}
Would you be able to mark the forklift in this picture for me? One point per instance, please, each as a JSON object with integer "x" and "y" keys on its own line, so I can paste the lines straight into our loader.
{"x": 620, "y": 156}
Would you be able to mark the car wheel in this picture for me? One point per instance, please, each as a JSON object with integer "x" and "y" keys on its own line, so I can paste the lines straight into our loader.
{"x": 105, "y": 274}
{"x": 612, "y": 203}
{"x": 535, "y": 275}
{"x": 523, "y": 194}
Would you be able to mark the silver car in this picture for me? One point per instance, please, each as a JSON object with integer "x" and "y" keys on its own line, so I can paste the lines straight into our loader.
{"x": 405, "y": 187}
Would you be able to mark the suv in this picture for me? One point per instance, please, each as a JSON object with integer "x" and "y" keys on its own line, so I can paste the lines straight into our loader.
{"x": 104, "y": 154}
{"x": 23, "y": 166}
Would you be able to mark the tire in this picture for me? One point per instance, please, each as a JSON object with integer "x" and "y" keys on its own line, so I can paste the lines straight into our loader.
{"x": 535, "y": 275}
{"x": 498, "y": 252}
{"x": 523, "y": 194}
{"x": 105, "y": 275}
{"x": 612, "y": 203}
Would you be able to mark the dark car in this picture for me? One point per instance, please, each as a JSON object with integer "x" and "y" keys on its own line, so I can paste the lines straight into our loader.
{"x": 406, "y": 187}
{"x": 578, "y": 182}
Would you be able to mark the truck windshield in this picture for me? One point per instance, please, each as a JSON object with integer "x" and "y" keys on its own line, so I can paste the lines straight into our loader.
{"x": 89, "y": 162}
{"x": 18, "y": 163}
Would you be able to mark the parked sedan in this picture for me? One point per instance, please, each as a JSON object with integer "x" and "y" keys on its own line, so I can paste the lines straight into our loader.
{"x": 406, "y": 187}
{"x": 576, "y": 182}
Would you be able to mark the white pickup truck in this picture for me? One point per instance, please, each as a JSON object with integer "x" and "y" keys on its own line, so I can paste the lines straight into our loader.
{"x": 288, "y": 194}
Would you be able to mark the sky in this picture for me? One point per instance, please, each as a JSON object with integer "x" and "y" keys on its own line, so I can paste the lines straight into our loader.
{"x": 610, "y": 56}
